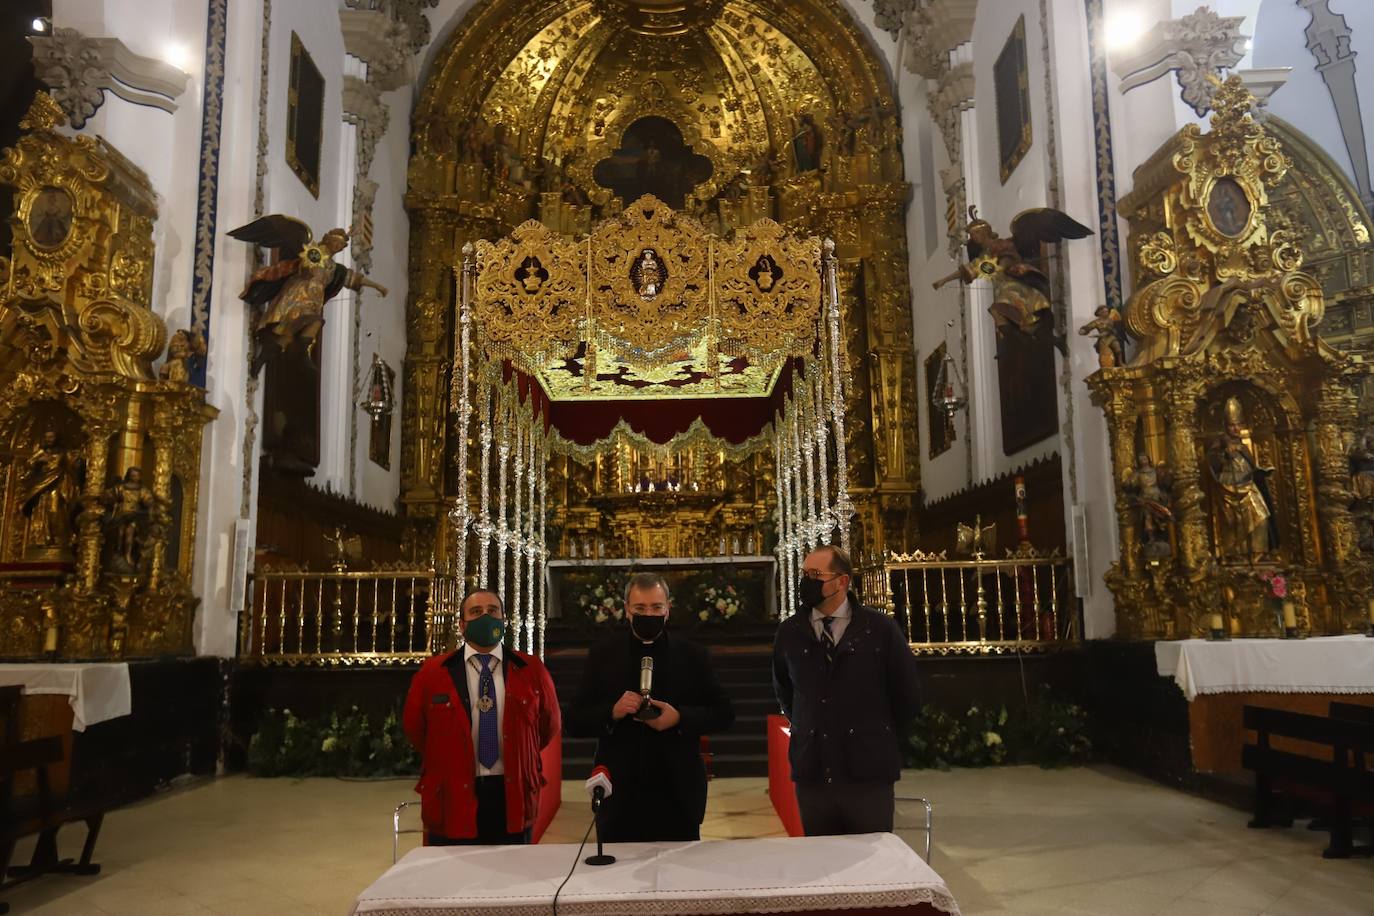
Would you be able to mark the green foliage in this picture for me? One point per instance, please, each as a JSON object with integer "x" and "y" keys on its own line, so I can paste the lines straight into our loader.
{"x": 339, "y": 744}
{"x": 1053, "y": 733}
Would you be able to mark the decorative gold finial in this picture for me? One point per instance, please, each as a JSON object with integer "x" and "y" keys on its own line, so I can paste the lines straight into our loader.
{"x": 44, "y": 114}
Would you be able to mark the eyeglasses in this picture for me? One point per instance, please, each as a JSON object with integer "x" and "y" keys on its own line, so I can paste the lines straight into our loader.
{"x": 818, "y": 575}
{"x": 659, "y": 609}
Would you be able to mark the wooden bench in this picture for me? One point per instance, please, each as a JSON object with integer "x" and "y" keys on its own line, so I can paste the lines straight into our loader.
{"x": 39, "y": 813}
{"x": 1334, "y": 779}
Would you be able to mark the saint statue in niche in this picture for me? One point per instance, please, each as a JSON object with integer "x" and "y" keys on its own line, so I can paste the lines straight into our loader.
{"x": 130, "y": 506}
{"x": 648, "y": 275}
{"x": 807, "y": 143}
{"x": 50, "y": 488}
{"x": 1147, "y": 487}
{"x": 1228, "y": 207}
{"x": 1247, "y": 523}
{"x": 50, "y": 217}
{"x": 764, "y": 276}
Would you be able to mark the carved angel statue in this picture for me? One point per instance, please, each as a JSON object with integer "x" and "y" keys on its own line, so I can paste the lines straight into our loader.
{"x": 1020, "y": 289}
{"x": 293, "y": 291}
{"x": 1107, "y": 332}
{"x": 184, "y": 347}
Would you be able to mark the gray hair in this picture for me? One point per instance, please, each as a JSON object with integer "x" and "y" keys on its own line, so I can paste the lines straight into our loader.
{"x": 645, "y": 581}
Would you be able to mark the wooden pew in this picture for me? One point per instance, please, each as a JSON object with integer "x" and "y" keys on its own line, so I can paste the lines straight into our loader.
{"x": 1334, "y": 779}
{"x": 42, "y": 813}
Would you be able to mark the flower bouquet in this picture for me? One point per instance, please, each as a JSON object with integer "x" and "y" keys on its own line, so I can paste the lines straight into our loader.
{"x": 715, "y": 598}
{"x": 602, "y": 600}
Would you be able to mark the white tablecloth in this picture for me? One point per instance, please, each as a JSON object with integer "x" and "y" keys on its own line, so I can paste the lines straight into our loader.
{"x": 98, "y": 691}
{"x": 782, "y": 875}
{"x": 1329, "y": 664}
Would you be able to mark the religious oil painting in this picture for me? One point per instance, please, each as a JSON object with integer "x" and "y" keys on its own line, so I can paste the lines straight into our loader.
{"x": 50, "y": 217}
{"x": 1011, "y": 88}
{"x": 304, "y": 117}
{"x": 939, "y": 425}
{"x": 653, "y": 158}
{"x": 1228, "y": 207}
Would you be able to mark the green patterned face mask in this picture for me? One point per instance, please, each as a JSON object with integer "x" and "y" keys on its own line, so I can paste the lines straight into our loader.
{"x": 485, "y": 632}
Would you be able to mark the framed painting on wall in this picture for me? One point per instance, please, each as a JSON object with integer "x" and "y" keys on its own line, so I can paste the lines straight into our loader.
{"x": 304, "y": 117}
{"x": 939, "y": 425}
{"x": 1011, "y": 93}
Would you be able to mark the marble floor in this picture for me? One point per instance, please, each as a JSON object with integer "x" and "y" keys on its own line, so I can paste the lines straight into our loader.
{"x": 1009, "y": 840}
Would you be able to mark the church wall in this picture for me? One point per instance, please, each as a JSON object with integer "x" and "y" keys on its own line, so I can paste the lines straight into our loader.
{"x": 1304, "y": 100}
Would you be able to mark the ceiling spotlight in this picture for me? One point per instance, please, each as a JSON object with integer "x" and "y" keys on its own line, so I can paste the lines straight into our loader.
{"x": 40, "y": 25}
{"x": 1123, "y": 29}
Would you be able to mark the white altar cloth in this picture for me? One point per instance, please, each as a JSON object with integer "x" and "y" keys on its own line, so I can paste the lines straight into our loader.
{"x": 97, "y": 692}
{"x": 1328, "y": 664}
{"x": 774, "y": 875}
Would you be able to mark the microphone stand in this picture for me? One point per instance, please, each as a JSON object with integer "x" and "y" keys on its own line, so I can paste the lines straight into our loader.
{"x": 600, "y": 858}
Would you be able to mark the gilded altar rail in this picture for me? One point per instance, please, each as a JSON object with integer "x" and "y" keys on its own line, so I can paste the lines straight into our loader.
{"x": 977, "y": 606}
{"x": 374, "y": 617}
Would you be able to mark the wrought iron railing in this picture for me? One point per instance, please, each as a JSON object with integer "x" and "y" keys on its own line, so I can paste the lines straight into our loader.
{"x": 1023, "y": 602}
{"x": 379, "y": 616}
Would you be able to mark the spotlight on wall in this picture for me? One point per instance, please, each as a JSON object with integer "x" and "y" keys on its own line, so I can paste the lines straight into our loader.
{"x": 1122, "y": 29}
{"x": 175, "y": 53}
{"x": 41, "y": 25}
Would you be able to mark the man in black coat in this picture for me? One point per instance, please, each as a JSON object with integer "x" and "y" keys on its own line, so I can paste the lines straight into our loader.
{"x": 845, "y": 677}
{"x": 658, "y": 778}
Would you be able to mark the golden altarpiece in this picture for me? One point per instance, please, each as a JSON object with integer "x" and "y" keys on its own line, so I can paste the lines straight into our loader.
{"x": 99, "y": 456}
{"x": 729, "y": 112}
{"x": 1232, "y": 427}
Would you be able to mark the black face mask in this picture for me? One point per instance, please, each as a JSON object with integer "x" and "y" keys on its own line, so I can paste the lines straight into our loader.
{"x": 647, "y": 627}
{"x": 809, "y": 593}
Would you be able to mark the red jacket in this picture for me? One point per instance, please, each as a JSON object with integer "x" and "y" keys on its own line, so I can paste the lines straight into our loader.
{"x": 437, "y": 722}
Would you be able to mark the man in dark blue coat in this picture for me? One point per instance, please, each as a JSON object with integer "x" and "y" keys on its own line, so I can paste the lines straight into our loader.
{"x": 846, "y": 678}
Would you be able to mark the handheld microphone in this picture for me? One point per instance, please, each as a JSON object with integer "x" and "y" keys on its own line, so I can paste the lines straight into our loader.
{"x": 646, "y": 675}
{"x": 647, "y": 710}
{"x": 599, "y": 786}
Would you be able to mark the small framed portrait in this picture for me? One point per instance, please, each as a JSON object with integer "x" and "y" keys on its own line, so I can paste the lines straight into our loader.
{"x": 1011, "y": 92}
{"x": 1228, "y": 207}
{"x": 50, "y": 217}
{"x": 304, "y": 117}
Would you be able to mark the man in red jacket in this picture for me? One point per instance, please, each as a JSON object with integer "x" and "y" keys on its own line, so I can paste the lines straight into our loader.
{"x": 479, "y": 717}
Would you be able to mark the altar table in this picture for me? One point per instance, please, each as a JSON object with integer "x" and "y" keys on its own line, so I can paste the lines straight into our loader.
{"x": 874, "y": 874}
{"x": 1221, "y": 678}
{"x": 96, "y": 692}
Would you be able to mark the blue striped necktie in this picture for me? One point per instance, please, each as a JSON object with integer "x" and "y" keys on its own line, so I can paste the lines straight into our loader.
{"x": 488, "y": 748}
{"x": 827, "y": 638}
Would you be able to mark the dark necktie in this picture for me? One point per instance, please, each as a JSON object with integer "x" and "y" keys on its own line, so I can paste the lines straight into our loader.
{"x": 828, "y": 638}
{"x": 488, "y": 748}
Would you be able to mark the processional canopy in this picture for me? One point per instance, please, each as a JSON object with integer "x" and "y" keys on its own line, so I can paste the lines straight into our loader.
{"x": 649, "y": 306}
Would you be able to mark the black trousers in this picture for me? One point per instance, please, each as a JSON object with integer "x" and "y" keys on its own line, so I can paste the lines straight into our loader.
{"x": 649, "y": 815}
{"x": 491, "y": 819}
{"x": 841, "y": 807}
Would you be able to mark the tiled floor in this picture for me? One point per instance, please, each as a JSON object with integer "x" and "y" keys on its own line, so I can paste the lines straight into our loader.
{"x": 1011, "y": 840}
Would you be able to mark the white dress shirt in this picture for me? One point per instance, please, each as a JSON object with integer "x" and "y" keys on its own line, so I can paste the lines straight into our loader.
{"x": 839, "y": 620}
{"x": 474, "y": 671}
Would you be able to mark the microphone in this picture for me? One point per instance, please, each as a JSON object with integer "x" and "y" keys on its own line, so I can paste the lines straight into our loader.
{"x": 647, "y": 710}
{"x": 599, "y": 786}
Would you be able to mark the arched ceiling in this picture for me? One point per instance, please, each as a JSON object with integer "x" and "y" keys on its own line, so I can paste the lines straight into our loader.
{"x": 567, "y": 78}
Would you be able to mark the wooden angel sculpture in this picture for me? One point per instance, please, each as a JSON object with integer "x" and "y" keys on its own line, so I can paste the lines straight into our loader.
{"x": 1020, "y": 289}
{"x": 292, "y": 292}
{"x": 1107, "y": 334}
